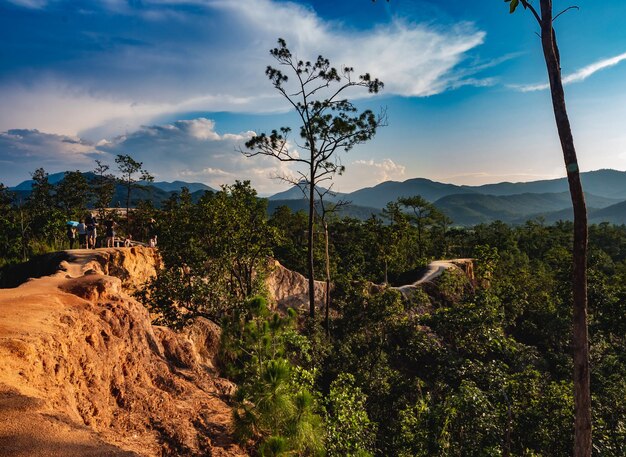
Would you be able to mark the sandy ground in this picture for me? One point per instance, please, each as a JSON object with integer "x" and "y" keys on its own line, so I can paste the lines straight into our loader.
{"x": 83, "y": 373}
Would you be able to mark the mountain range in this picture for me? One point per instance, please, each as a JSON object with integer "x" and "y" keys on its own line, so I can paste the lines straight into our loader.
{"x": 157, "y": 192}
{"x": 465, "y": 205}
{"x": 506, "y": 201}
{"x": 165, "y": 186}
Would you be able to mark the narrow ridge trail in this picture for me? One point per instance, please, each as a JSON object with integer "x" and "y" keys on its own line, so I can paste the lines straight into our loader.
{"x": 435, "y": 269}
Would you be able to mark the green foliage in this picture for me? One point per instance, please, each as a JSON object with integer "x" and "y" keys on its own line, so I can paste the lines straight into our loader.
{"x": 513, "y": 5}
{"x": 215, "y": 254}
{"x": 46, "y": 221}
{"x": 458, "y": 369}
{"x": 349, "y": 430}
{"x": 102, "y": 188}
{"x": 423, "y": 214}
{"x": 72, "y": 193}
{"x": 131, "y": 172}
{"x": 11, "y": 235}
{"x": 273, "y": 407}
{"x": 291, "y": 242}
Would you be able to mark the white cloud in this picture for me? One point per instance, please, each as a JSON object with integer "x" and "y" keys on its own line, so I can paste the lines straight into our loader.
{"x": 194, "y": 150}
{"x": 130, "y": 78}
{"x": 22, "y": 143}
{"x": 23, "y": 151}
{"x": 188, "y": 150}
{"x": 577, "y": 76}
{"x": 367, "y": 173}
{"x": 35, "y": 4}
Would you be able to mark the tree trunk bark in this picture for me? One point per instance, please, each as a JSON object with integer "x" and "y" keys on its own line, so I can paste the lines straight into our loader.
{"x": 386, "y": 277}
{"x": 580, "y": 337}
{"x": 310, "y": 242}
{"x": 327, "y": 317}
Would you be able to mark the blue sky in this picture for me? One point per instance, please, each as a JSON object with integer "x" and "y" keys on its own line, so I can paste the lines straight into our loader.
{"x": 180, "y": 85}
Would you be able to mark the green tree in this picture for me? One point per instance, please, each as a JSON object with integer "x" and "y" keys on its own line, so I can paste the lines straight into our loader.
{"x": 46, "y": 226}
{"x": 10, "y": 233}
{"x": 349, "y": 430}
{"x": 424, "y": 214}
{"x": 398, "y": 241}
{"x": 329, "y": 124}
{"x": 215, "y": 254}
{"x": 72, "y": 194}
{"x": 290, "y": 248}
{"x": 580, "y": 339}
{"x": 103, "y": 188}
{"x": 441, "y": 225}
{"x": 132, "y": 173}
{"x": 273, "y": 405}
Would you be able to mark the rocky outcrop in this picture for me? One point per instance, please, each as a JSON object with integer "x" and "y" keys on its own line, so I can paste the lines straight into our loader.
{"x": 133, "y": 266}
{"x": 85, "y": 373}
{"x": 289, "y": 289}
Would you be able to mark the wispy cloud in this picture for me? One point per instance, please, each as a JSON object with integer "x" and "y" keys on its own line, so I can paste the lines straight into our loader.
{"x": 577, "y": 76}
{"x": 181, "y": 65}
{"x": 366, "y": 173}
{"x": 35, "y": 4}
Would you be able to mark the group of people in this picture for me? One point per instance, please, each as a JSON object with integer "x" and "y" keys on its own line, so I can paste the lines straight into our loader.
{"x": 87, "y": 232}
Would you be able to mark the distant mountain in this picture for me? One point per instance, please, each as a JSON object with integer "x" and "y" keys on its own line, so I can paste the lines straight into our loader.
{"x": 162, "y": 185}
{"x": 603, "y": 183}
{"x": 354, "y": 211}
{"x": 470, "y": 209}
{"x": 615, "y": 214}
{"x": 379, "y": 195}
{"x": 609, "y": 184}
{"x": 466, "y": 205}
{"x": 157, "y": 192}
{"x": 296, "y": 193}
{"x": 176, "y": 186}
{"x": 506, "y": 201}
{"x": 54, "y": 178}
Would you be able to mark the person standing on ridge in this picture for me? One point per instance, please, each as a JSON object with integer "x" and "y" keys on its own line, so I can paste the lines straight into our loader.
{"x": 92, "y": 233}
{"x": 81, "y": 228}
{"x": 109, "y": 224}
{"x": 71, "y": 235}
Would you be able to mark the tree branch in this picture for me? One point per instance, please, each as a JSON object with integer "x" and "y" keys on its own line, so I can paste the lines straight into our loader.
{"x": 565, "y": 11}
{"x": 532, "y": 9}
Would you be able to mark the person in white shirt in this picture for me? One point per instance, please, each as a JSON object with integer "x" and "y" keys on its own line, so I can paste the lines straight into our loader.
{"x": 81, "y": 228}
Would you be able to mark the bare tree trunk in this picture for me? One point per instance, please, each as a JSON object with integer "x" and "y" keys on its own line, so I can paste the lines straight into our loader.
{"x": 128, "y": 189}
{"x": 580, "y": 337}
{"x": 310, "y": 243}
{"x": 419, "y": 237}
{"x": 386, "y": 277}
{"x": 327, "y": 318}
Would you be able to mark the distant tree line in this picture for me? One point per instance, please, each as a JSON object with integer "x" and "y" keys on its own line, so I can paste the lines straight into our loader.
{"x": 36, "y": 222}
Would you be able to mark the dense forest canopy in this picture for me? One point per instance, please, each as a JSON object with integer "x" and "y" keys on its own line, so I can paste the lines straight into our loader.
{"x": 472, "y": 368}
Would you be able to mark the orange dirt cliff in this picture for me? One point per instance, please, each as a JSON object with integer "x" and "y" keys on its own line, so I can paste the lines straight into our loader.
{"x": 84, "y": 373}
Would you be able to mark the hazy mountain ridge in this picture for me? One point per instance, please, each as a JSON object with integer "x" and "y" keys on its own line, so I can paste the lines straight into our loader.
{"x": 469, "y": 209}
{"x": 174, "y": 186}
{"x": 354, "y": 211}
{"x": 157, "y": 192}
{"x": 466, "y": 205}
{"x": 506, "y": 201}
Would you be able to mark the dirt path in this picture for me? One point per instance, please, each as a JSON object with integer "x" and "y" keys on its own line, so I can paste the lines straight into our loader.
{"x": 436, "y": 269}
